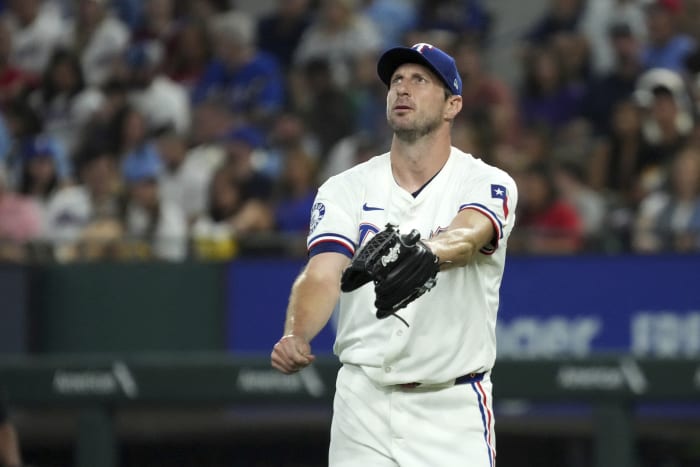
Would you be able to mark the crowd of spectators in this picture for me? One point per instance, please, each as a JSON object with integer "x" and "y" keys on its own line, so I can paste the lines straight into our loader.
{"x": 171, "y": 128}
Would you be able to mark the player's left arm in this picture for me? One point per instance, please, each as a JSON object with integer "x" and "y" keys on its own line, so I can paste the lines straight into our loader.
{"x": 467, "y": 234}
{"x": 480, "y": 224}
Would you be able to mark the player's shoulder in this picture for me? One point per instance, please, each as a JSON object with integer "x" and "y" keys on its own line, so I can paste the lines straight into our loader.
{"x": 359, "y": 174}
{"x": 477, "y": 169}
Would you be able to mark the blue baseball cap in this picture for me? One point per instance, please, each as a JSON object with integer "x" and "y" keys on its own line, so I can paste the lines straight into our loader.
{"x": 141, "y": 165}
{"x": 39, "y": 147}
{"x": 428, "y": 55}
{"x": 247, "y": 135}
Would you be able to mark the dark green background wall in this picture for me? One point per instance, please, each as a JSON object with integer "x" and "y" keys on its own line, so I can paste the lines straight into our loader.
{"x": 128, "y": 307}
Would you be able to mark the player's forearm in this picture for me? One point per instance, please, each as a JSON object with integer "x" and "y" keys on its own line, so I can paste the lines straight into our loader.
{"x": 9, "y": 446}
{"x": 311, "y": 304}
{"x": 454, "y": 248}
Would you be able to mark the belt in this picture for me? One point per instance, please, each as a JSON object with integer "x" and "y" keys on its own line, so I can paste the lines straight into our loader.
{"x": 464, "y": 379}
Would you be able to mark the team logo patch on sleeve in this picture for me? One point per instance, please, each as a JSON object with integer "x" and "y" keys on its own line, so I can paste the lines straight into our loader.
{"x": 317, "y": 213}
{"x": 499, "y": 191}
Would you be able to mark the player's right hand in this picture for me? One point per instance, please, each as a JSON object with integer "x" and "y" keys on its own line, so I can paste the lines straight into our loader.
{"x": 291, "y": 354}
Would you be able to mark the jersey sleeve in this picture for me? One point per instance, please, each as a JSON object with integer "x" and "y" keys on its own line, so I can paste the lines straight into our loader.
{"x": 496, "y": 197}
{"x": 333, "y": 224}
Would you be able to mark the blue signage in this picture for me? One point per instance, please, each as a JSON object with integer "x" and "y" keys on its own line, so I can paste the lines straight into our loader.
{"x": 550, "y": 306}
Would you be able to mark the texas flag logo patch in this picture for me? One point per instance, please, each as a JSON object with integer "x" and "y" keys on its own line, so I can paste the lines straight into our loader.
{"x": 499, "y": 191}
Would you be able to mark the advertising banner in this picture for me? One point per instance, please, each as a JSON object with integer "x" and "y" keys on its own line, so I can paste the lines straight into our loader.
{"x": 550, "y": 306}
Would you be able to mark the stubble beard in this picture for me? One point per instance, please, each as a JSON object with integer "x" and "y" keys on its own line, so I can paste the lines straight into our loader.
{"x": 415, "y": 132}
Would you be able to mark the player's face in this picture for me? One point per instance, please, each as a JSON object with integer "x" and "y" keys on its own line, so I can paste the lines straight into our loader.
{"x": 415, "y": 103}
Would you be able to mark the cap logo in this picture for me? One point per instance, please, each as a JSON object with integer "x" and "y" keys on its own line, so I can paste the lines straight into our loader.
{"x": 420, "y": 46}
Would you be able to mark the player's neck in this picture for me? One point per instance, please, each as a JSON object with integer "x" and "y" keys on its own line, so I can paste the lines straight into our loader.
{"x": 414, "y": 163}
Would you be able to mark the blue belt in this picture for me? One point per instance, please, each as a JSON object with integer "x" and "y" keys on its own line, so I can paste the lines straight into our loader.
{"x": 464, "y": 379}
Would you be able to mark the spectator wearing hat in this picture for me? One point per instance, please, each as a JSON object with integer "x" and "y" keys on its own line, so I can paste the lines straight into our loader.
{"x": 40, "y": 178}
{"x": 159, "y": 226}
{"x": 247, "y": 80}
{"x": 164, "y": 102}
{"x": 667, "y": 122}
{"x": 240, "y": 194}
{"x": 666, "y": 47}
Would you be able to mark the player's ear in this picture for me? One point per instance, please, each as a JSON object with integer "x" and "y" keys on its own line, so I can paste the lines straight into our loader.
{"x": 454, "y": 105}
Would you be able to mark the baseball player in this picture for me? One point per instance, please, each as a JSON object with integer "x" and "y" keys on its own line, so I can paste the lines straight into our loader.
{"x": 414, "y": 391}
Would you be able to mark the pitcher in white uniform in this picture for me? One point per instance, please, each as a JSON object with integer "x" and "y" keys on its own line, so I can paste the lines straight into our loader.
{"x": 415, "y": 391}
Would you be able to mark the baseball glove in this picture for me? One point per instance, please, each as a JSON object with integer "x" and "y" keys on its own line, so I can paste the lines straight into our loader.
{"x": 401, "y": 266}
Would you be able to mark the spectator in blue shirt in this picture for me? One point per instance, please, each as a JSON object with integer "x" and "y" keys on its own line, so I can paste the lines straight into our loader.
{"x": 667, "y": 48}
{"x": 249, "y": 81}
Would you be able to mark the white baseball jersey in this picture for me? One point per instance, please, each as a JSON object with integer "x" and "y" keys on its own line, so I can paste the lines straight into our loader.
{"x": 452, "y": 327}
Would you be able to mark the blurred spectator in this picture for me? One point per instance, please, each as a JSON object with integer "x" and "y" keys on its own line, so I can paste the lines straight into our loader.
{"x": 574, "y": 56}
{"x": 548, "y": 223}
{"x": 689, "y": 22}
{"x": 134, "y": 136}
{"x": 546, "y": 96}
{"x": 338, "y": 36}
{"x": 350, "y": 151}
{"x": 158, "y": 226}
{"x": 296, "y": 193}
{"x": 212, "y": 120}
{"x": 159, "y": 23}
{"x": 182, "y": 182}
{"x": 98, "y": 38}
{"x": 669, "y": 220}
{"x": 600, "y": 18}
{"x": 19, "y": 125}
{"x": 279, "y": 32}
{"x": 666, "y": 124}
{"x": 20, "y": 222}
{"x": 368, "y": 97}
{"x": 327, "y": 110}
{"x": 37, "y": 27}
{"x": 667, "y": 46}
{"x": 86, "y": 216}
{"x": 191, "y": 52}
{"x": 239, "y": 200}
{"x": 104, "y": 127}
{"x": 213, "y": 233}
{"x": 63, "y": 100}
{"x": 242, "y": 193}
{"x": 561, "y": 16}
{"x": 288, "y": 135}
{"x": 246, "y": 80}
{"x": 10, "y": 453}
{"x": 485, "y": 98}
{"x": 570, "y": 181}
{"x": 391, "y": 18}
{"x": 40, "y": 178}
{"x": 468, "y": 17}
{"x": 165, "y": 103}
{"x": 604, "y": 93}
{"x": 13, "y": 80}
{"x": 615, "y": 160}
